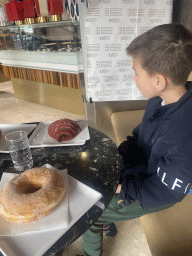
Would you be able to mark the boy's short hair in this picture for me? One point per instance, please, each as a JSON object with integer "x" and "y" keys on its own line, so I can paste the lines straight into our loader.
{"x": 166, "y": 50}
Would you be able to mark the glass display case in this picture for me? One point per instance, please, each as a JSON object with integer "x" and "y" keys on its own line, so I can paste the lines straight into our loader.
{"x": 44, "y": 62}
{"x": 63, "y": 36}
{"x": 35, "y": 45}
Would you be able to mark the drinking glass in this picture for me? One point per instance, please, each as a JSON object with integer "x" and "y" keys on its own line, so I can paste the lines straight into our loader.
{"x": 19, "y": 150}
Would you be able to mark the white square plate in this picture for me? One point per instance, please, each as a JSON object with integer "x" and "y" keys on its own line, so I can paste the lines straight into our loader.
{"x": 40, "y": 137}
{"x": 7, "y": 128}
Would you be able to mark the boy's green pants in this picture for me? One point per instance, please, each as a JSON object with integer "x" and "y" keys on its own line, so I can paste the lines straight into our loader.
{"x": 93, "y": 238}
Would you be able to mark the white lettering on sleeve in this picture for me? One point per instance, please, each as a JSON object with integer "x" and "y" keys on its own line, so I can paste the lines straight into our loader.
{"x": 186, "y": 188}
{"x": 158, "y": 171}
{"x": 175, "y": 183}
{"x": 164, "y": 178}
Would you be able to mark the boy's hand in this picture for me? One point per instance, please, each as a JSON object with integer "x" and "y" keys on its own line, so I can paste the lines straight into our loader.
{"x": 118, "y": 189}
{"x": 130, "y": 154}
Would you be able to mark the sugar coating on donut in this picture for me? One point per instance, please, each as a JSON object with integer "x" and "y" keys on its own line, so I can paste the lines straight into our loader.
{"x": 31, "y": 195}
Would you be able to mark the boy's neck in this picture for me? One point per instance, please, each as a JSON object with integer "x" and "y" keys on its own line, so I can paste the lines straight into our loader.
{"x": 172, "y": 93}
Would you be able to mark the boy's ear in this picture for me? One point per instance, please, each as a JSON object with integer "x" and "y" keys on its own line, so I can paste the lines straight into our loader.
{"x": 160, "y": 82}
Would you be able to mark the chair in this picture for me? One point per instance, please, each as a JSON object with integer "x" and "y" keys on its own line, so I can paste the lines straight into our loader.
{"x": 169, "y": 232}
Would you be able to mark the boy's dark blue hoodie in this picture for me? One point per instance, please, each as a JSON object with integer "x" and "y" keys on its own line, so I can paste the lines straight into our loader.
{"x": 165, "y": 137}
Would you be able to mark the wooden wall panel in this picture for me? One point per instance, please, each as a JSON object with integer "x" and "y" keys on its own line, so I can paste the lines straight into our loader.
{"x": 43, "y": 76}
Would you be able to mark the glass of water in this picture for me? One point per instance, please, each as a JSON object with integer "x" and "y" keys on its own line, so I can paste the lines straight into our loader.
{"x": 19, "y": 150}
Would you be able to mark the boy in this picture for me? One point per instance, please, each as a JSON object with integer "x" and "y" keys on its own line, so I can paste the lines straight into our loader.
{"x": 160, "y": 175}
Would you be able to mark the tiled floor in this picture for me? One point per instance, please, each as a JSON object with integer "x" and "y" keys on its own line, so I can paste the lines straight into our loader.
{"x": 130, "y": 240}
{"x": 17, "y": 111}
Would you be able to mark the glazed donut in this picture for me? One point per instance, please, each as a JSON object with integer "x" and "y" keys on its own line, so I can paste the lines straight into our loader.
{"x": 31, "y": 195}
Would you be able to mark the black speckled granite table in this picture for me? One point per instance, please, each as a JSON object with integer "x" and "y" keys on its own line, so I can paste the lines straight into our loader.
{"x": 96, "y": 164}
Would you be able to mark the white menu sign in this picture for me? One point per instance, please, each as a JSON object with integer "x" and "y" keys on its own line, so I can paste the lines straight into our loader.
{"x": 107, "y": 28}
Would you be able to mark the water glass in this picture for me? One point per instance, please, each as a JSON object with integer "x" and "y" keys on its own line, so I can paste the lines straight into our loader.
{"x": 19, "y": 150}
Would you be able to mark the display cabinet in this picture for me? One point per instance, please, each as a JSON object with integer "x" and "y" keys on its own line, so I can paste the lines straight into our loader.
{"x": 60, "y": 36}
{"x": 50, "y": 46}
{"x": 44, "y": 53}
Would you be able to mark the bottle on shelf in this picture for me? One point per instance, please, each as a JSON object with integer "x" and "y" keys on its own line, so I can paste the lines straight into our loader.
{"x": 55, "y": 8}
{"x": 29, "y": 11}
{"x": 40, "y": 18}
{"x": 15, "y": 11}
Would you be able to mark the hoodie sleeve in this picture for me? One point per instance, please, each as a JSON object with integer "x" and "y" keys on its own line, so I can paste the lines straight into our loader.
{"x": 168, "y": 177}
{"x": 136, "y": 131}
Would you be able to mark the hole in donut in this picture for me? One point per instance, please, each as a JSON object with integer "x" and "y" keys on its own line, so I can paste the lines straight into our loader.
{"x": 31, "y": 189}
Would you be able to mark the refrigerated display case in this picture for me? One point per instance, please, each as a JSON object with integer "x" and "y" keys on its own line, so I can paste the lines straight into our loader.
{"x": 44, "y": 60}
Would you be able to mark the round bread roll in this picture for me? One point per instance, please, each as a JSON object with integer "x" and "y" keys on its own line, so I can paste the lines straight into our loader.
{"x": 31, "y": 195}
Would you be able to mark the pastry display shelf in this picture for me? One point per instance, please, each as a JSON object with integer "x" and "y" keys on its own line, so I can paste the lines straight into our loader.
{"x": 44, "y": 24}
{"x": 54, "y": 46}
